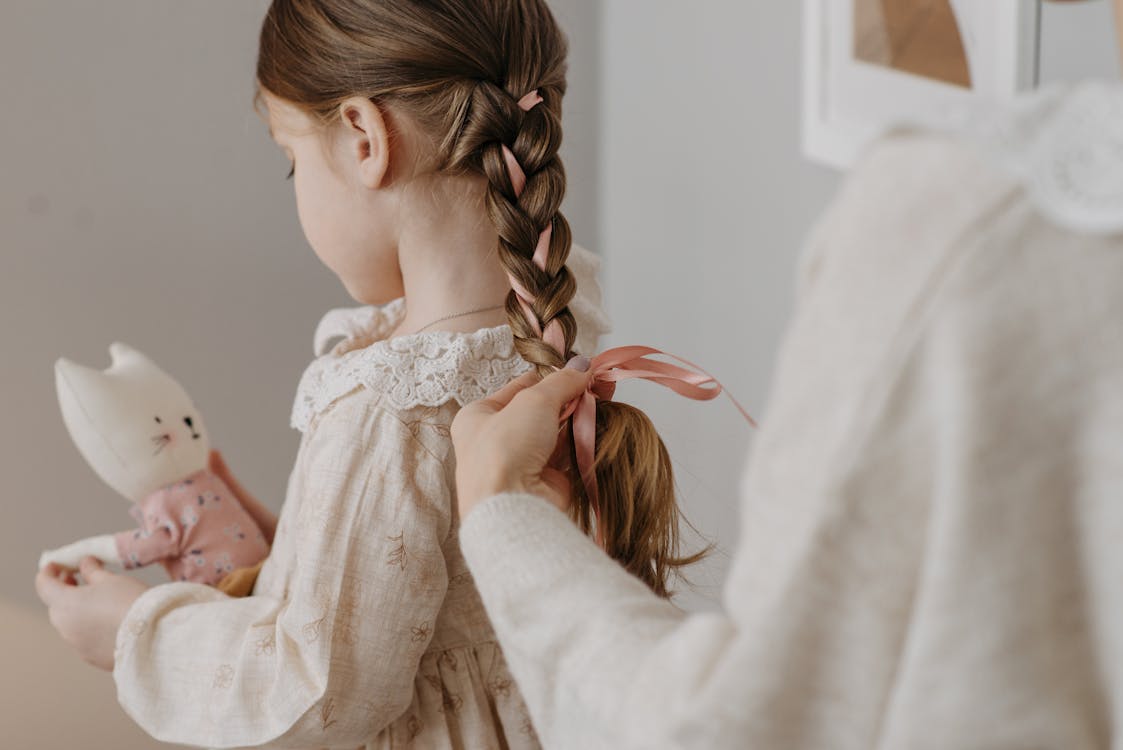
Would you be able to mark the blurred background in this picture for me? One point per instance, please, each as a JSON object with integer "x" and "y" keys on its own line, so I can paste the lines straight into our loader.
{"x": 141, "y": 200}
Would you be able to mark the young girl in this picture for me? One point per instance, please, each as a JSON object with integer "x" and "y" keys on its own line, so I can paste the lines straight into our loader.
{"x": 423, "y": 137}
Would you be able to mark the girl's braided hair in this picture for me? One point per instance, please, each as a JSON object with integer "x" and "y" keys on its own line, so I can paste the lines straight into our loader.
{"x": 485, "y": 80}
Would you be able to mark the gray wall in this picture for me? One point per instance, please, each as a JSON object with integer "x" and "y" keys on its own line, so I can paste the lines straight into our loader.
{"x": 142, "y": 201}
{"x": 706, "y": 203}
{"x": 1078, "y": 40}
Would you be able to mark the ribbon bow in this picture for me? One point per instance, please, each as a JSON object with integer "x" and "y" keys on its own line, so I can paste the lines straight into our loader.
{"x": 628, "y": 363}
{"x": 608, "y": 368}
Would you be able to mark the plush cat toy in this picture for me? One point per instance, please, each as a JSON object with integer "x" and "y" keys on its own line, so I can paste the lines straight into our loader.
{"x": 138, "y": 429}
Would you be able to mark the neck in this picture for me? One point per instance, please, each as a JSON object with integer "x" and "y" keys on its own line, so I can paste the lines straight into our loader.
{"x": 447, "y": 253}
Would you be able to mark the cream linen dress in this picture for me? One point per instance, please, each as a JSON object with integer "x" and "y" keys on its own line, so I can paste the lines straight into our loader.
{"x": 365, "y": 628}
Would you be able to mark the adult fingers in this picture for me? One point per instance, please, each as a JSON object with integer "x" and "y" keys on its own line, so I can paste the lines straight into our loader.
{"x": 467, "y": 420}
{"x": 561, "y": 491}
{"x": 503, "y": 396}
{"x": 557, "y": 389}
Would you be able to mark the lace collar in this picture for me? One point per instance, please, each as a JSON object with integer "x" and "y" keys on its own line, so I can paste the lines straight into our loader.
{"x": 424, "y": 369}
{"x": 1066, "y": 146}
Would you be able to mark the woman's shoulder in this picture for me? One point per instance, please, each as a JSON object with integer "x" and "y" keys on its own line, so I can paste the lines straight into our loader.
{"x": 1061, "y": 147}
{"x": 1053, "y": 160}
{"x": 1065, "y": 147}
{"x": 899, "y": 213}
{"x": 945, "y": 234}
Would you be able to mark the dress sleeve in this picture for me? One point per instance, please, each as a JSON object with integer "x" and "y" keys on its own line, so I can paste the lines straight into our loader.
{"x": 333, "y": 661}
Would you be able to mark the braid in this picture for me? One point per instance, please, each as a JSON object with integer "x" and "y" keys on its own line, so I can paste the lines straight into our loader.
{"x": 485, "y": 80}
{"x": 516, "y": 147}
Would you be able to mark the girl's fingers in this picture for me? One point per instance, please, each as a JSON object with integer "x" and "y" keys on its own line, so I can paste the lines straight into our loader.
{"x": 92, "y": 569}
{"x": 48, "y": 586}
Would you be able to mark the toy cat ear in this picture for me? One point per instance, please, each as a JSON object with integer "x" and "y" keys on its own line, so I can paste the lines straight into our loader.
{"x": 75, "y": 377}
{"x": 123, "y": 354}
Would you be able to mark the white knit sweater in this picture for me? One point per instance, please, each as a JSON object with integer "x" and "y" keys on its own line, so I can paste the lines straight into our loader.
{"x": 932, "y": 545}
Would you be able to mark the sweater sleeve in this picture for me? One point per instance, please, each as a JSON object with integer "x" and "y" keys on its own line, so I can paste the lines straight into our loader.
{"x": 331, "y": 660}
{"x": 579, "y": 633}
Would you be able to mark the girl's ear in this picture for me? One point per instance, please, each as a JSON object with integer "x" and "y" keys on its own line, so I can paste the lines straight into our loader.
{"x": 368, "y": 140}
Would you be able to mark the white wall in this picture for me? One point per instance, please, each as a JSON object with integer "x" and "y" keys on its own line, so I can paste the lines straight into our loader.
{"x": 581, "y": 20}
{"x": 706, "y": 201}
{"x": 1078, "y": 40}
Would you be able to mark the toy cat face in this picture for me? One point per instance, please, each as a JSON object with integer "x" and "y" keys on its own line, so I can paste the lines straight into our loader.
{"x": 133, "y": 423}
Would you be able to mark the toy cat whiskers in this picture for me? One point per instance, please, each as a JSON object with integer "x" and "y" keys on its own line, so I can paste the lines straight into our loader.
{"x": 140, "y": 432}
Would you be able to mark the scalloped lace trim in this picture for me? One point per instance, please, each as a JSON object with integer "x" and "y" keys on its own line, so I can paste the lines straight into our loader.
{"x": 427, "y": 369}
{"x": 1066, "y": 146}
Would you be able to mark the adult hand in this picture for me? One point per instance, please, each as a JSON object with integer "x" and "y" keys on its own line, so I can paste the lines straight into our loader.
{"x": 88, "y": 616}
{"x": 504, "y": 443}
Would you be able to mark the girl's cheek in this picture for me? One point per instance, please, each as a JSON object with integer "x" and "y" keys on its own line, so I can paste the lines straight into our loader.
{"x": 310, "y": 223}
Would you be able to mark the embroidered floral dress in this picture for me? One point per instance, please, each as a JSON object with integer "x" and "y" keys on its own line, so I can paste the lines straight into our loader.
{"x": 365, "y": 628}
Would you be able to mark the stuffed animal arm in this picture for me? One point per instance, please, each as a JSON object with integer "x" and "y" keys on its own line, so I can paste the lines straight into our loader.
{"x": 103, "y": 547}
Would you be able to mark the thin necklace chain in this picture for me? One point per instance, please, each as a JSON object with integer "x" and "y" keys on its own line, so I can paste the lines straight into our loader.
{"x": 459, "y": 315}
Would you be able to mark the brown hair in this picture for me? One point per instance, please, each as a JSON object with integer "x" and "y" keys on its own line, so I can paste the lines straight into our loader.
{"x": 458, "y": 69}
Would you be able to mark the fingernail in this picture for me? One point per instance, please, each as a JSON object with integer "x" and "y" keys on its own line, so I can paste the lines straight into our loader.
{"x": 581, "y": 364}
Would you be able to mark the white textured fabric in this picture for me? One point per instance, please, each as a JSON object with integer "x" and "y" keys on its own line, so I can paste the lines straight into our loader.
{"x": 365, "y": 628}
{"x": 929, "y": 554}
{"x": 1067, "y": 147}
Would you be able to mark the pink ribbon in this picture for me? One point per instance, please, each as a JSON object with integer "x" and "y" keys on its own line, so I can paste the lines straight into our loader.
{"x": 628, "y": 363}
{"x": 607, "y": 368}
{"x": 553, "y": 335}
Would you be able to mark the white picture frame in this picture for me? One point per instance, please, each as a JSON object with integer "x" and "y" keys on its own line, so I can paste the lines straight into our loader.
{"x": 847, "y": 103}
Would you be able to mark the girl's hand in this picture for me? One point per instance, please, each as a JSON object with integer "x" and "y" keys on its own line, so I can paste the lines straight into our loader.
{"x": 262, "y": 516}
{"x": 88, "y": 617}
{"x": 504, "y": 443}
